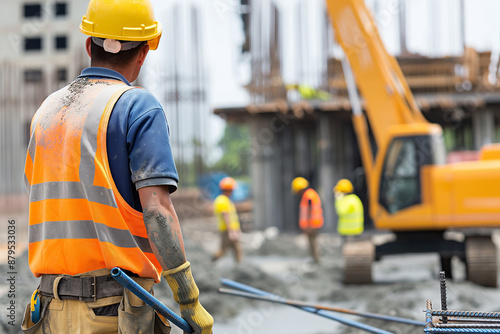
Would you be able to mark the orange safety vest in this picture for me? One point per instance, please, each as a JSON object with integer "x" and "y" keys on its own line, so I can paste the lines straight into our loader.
{"x": 310, "y": 216}
{"x": 78, "y": 221}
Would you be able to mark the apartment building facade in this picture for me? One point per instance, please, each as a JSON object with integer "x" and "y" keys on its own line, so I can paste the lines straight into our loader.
{"x": 41, "y": 50}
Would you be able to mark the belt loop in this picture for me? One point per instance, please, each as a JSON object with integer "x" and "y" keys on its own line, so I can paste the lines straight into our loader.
{"x": 55, "y": 287}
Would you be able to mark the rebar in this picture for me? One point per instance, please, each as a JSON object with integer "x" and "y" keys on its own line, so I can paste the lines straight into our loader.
{"x": 444, "y": 302}
{"x": 466, "y": 314}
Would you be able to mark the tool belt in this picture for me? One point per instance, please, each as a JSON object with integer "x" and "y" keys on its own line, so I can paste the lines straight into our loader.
{"x": 86, "y": 289}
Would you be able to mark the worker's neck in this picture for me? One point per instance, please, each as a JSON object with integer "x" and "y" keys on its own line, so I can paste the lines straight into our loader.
{"x": 126, "y": 71}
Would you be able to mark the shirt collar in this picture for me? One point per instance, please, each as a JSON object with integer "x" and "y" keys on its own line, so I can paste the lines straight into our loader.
{"x": 103, "y": 73}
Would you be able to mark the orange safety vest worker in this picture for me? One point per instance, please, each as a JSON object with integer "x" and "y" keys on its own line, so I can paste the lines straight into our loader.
{"x": 311, "y": 213}
{"x": 351, "y": 218}
{"x": 75, "y": 208}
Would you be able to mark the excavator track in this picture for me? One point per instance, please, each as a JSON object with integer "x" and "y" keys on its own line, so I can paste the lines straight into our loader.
{"x": 358, "y": 260}
{"x": 481, "y": 260}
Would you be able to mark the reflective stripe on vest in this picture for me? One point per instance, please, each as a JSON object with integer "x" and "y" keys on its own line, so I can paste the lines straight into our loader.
{"x": 351, "y": 217}
{"x": 310, "y": 216}
{"x": 78, "y": 221}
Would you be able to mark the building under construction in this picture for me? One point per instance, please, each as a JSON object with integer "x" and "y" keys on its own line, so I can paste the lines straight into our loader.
{"x": 314, "y": 138}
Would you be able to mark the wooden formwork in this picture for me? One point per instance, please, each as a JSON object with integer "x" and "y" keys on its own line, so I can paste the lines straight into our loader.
{"x": 432, "y": 75}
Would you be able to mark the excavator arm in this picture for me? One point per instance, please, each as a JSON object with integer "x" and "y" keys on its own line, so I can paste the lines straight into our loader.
{"x": 386, "y": 93}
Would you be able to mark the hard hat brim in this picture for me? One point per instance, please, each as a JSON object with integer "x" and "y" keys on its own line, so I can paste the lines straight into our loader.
{"x": 153, "y": 39}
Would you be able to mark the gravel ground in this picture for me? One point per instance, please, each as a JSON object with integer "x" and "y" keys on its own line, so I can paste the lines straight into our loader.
{"x": 279, "y": 263}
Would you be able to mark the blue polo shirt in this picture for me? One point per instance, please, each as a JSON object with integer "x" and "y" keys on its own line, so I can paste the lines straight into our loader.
{"x": 137, "y": 140}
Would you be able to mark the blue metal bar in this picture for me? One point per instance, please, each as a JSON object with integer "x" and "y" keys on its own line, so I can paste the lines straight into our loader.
{"x": 326, "y": 314}
{"x": 290, "y": 302}
{"x": 146, "y": 297}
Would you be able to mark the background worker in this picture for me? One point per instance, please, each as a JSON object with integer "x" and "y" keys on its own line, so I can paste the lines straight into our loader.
{"x": 349, "y": 210}
{"x": 310, "y": 213}
{"x": 228, "y": 223}
{"x": 98, "y": 199}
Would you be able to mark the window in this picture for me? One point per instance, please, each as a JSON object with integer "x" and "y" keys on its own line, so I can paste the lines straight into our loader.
{"x": 400, "y": 183}
{"x": 32, "y": 10}
{"x": 60, "y": 9}
{"x": 33, "y": 44}
{"x": 62, "y": 75}
{"x": 61, "y": 42}
{"x": 32, "y": 75}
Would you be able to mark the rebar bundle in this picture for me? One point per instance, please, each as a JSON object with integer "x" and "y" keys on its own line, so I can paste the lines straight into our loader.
{"x": 452, "y": 321}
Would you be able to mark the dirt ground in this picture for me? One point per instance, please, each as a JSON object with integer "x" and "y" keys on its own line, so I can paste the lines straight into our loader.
{"x": 280, "y": 263}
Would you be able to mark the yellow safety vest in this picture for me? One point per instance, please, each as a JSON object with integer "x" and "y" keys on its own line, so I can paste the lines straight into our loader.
{"x": 350, "y": 211}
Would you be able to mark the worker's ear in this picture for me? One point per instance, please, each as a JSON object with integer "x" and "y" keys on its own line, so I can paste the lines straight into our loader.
{"x": 142, "y": 54}
{"x": 88, "y": 44}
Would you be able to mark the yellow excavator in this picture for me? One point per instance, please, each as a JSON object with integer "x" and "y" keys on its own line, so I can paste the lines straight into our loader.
{"x": 412, "y": 191}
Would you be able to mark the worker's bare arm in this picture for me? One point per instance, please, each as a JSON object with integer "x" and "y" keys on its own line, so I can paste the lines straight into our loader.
{"x": 227, "y": 221}
{"x": 162, "y": 226}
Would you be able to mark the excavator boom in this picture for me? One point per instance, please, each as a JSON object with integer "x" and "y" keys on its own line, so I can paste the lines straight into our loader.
{"x": 378, "y": 75}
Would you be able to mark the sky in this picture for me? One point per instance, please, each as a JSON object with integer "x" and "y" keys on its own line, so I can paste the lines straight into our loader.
{"x": 433, "y": 28}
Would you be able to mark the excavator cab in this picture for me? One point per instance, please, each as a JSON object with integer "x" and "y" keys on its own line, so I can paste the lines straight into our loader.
{"x": 399, "y": 195}
{"x": 400, "y": 179}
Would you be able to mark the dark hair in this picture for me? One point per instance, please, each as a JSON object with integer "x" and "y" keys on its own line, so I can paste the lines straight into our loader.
{"x": 98, "y": 55}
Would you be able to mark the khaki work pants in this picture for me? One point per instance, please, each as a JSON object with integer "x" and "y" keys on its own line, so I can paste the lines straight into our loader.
{"x": 76, "y": 317}
{"x": 312, "y": 236}
{"x": 228, "y": 243}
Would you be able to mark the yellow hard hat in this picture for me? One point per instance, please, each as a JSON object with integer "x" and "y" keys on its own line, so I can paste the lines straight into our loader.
{"x": 123, "y": 20}
{"x": 227, "y": 183}
{"x": 299, "y": 183}
{"x": 344, "y": 186}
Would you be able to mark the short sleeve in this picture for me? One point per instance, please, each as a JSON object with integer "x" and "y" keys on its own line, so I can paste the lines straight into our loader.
{"x": 151, "y": 159}
{"x": 221, "y": 204}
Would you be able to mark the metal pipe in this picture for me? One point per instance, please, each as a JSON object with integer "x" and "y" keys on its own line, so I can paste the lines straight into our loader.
{"x": 323, "y": 313}
{"x": 290, "y": 302}
{"x": 146, "y": 297}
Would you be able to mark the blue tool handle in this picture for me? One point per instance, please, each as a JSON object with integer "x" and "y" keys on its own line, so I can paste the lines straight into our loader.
{"x": 146, "y": 297}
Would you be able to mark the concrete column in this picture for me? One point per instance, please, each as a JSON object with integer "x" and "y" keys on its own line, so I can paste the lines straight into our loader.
{"x": 257, "y": 173}
{"x": 265, "y": 170}
{"x": 338, "y": 157}
{"x": 289, "y": 200}
{"x": 349, "y": 143}
{"x": 483, "y": 125}
{"x": 326, "y": 170}
{"x": 302, "y": 150}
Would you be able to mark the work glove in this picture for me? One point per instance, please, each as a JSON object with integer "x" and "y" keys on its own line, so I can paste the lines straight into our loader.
{"x": 186, "y": 294}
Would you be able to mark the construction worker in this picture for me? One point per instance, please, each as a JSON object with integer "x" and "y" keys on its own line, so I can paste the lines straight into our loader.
{"x": 308, "y": 92}
{"x": 349, "y": 210}
{"x": 310, "y": 213}
{"x": 228, "y": 223}
{"x": 99, "y": 172}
